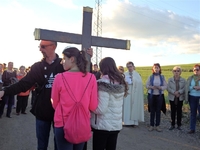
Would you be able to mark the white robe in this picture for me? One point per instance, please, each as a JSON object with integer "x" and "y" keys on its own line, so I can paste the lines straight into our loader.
{"x": 133, "y": 106}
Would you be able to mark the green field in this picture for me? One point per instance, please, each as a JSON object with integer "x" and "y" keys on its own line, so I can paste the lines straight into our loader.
{"x": 145, "y": 72}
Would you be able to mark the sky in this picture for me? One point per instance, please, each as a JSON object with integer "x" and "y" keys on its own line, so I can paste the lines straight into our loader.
{"x": 160, "y": 31}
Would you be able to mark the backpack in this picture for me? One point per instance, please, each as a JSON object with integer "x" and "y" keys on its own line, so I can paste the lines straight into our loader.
{"x": 77, "y": 127}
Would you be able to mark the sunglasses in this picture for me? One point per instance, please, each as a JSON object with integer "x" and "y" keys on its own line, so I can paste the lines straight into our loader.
{"x": 195, "y": 69}
{"x": 44, "y": 46}
{"x": 176, "y": 70}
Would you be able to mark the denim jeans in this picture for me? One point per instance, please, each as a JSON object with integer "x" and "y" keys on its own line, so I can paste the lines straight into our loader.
{"x": 199, "y": 111}
{"x": 43, "y": 129}
{"x": 62, "y": 143}
{"x": 155, "y": 103}
{"x": 9, "y": 100}
{"x": 194, "y": 103}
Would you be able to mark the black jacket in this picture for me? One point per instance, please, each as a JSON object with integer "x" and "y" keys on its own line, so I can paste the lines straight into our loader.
{"x": 41, "y": 73}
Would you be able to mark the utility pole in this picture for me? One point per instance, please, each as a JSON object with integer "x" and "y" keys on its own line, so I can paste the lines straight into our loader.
{"x": 97, "y": 31}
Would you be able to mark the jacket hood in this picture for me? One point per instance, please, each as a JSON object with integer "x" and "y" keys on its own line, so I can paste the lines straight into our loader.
{"x": 115, "y": 89}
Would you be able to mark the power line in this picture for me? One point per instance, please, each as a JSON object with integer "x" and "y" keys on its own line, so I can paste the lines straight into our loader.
{"x": 165, "y": 8}
{"x": 181, "y": 9}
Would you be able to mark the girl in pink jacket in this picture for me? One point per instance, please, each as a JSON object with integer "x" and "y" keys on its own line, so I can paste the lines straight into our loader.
{"x": 72, "y": 82}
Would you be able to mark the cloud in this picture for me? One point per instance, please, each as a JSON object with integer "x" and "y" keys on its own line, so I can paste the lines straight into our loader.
{"x": 64, "y": 3}
{"x": 151, "y": 27}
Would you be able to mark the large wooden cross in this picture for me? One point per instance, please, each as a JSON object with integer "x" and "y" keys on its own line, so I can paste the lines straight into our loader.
{"x": 86, "y": 39}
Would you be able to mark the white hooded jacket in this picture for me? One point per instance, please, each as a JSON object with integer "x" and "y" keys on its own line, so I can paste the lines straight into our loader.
{"x": 108, "y": 115}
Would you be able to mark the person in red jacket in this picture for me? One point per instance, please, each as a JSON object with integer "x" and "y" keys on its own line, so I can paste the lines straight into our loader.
{"x": 22, "y": 98}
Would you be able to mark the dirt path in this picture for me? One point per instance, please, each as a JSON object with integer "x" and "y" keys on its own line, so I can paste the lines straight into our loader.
{"x": 18, "y": 133}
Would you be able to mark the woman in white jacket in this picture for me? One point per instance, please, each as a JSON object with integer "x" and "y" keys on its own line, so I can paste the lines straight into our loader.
{"x": 106, "y": 120}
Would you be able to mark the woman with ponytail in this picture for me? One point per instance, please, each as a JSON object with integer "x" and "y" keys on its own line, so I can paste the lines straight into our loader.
{"x": 74, "y": 86}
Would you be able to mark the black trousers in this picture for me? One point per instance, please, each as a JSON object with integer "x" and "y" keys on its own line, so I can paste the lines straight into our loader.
{"x": 22, "y": 102}
{"x": 176, "y": 110}
{"x": 104, "y": 140}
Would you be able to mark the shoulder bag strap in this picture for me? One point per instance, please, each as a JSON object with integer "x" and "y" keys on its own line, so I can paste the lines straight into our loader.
{"x": 74, "y": 99}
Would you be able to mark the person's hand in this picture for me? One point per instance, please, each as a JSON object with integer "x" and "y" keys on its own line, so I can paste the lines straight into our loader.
{"x": 196, "y": 88}
{"x": 153, "y": 87}
{"x": 157, "y": 87}
{"x": 177, "y": 94}
{"x": 1, "y": 94}
{"x": 90, "y": 51}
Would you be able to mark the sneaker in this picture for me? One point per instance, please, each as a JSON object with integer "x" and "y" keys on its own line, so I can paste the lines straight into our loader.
{"x": 171, "y": 128}
{"x": 179, "y": 128}
{"x": 158, "y": 129}
{"x": 151, "y": 128}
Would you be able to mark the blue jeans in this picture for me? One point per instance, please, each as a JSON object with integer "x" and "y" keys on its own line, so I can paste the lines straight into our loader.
{"x": 194, "y": 103}
{"x": 155, "y": 103}
{"x": 199, "y": 111}
{"x": 43, "y": 129}
{"x": 9, "y": 100}
{"x": 62, "y": 143}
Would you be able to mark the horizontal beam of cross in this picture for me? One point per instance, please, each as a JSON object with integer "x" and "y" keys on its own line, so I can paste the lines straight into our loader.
{"x": 65, "y": 37}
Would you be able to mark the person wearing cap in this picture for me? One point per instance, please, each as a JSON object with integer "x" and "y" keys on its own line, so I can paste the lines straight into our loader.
{"x": 133, "y": 104}
{"x": 176, "y": 95}
{"x": 192, "y": 95}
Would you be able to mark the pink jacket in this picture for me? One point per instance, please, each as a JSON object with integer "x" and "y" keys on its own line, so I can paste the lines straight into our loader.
{"x": 60, "y": 97}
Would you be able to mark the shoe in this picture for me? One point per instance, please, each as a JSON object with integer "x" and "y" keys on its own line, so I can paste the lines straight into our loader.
{"x": 151, "y": 128}
{"x": 158, "y": 129}
{"x": 17, "y": 113}
{"x": 179, "y": 128}
{"x": 8, "y": 116}
{"x": 24, "y": 113}
{"x": 172, "y": 127}
{"x": 191, "y": 132}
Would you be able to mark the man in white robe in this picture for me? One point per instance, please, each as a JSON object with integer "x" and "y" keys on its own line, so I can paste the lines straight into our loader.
{"x": 133, "y": 106}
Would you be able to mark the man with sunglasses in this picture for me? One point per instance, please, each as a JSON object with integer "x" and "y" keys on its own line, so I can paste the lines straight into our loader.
{"x": 192, "y": 94}
{"x": 42, "y": 73}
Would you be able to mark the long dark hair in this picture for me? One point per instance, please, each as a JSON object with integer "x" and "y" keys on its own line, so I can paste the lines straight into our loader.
{"x": 108, "y": 67}
{"x": 79, "y": 56}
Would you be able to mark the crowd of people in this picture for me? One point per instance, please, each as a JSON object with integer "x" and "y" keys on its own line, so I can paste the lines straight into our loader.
{"x": 110, "y": 96}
